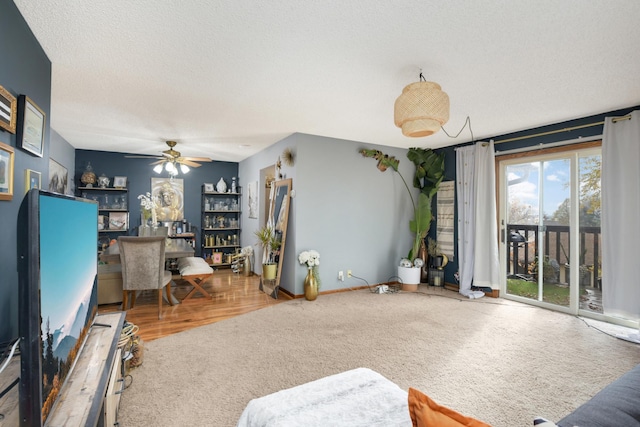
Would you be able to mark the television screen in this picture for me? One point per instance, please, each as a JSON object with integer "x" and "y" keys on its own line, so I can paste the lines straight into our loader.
{"x": 58, "y": 254}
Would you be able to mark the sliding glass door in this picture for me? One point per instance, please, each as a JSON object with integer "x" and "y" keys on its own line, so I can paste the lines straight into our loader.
{"x": 550, "y": 222}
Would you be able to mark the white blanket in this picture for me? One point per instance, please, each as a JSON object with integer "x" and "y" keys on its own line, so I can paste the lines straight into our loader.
{"x": 359, "y": 397}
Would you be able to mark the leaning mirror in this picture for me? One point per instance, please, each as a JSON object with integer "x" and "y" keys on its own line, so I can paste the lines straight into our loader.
{"x": 279, "y": 218}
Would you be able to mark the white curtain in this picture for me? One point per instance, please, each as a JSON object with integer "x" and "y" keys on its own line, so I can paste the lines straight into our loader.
{"x": 620, "y": 180}
{"x": 486, "y": 270}
{"x": 465, "y": 196}
{"x": 478, "y": 261}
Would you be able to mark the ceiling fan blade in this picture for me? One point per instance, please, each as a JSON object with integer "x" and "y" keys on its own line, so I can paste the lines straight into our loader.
{"x": 142, "y": 157}
{"x": 158, "y": 162}
{"x": 189, "y": 163}
{"x": 197, "y": 159}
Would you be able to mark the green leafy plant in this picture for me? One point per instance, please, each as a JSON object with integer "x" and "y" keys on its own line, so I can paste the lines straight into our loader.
{"x": 270, "y": 242}
{"x": 428, "y": 175}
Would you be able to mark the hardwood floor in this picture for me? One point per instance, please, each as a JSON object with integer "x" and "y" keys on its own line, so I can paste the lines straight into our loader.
{"x": 233, "y": 295}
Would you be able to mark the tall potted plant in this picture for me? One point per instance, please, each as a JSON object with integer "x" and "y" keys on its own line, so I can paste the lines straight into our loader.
{"x": 428, "y": 175}
{"x": 268, "y": 239}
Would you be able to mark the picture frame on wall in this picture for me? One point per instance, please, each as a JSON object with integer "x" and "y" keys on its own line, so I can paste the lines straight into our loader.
{"x": 169, "y": 195}
{"x": 31, "y": 126}
{"x": 118, "y": 221}
{"x": 32, "y": 179}
{"x": 6, "y": 171}
{"x": 58, "y": 177}
{"x": 253, "y": 199}
{"x": 8, "y": 110}
{"x": 120, "y": 182}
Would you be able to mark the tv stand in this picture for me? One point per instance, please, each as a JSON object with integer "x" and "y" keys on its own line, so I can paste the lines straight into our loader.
{"x": 88, "y": 391}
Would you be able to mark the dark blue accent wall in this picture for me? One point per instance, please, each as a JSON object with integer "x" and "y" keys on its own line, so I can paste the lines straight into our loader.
{"x": 24, "y": 70}
{"x": 531, "y": 141}
{"x": 139, "y": 173}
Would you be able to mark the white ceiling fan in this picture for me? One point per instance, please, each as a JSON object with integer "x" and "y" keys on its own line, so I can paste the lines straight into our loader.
{"x": 172, "y": 161}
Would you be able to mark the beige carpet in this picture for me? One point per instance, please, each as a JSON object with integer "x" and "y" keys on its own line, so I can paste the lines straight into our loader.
{"x": 493, "y": 359}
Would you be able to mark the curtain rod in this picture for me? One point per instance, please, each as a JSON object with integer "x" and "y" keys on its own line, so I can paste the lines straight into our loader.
{"x": 551, "y": 132}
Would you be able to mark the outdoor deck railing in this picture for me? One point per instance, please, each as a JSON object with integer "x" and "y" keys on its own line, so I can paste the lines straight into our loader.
{"x": 523, "y": 244}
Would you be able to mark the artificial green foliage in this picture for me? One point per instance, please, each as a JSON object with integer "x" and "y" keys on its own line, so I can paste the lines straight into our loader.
{"x": 428, "y": 175}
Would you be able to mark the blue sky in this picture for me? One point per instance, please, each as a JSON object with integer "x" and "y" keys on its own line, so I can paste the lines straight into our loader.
{"x": 556, "y": 176}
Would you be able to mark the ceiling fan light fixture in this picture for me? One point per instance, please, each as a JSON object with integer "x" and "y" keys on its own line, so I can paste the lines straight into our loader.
{"x": 421, "y": 109}
{"x": 158, "y": 168}
{"x": 184, "y": 168}
{"x": 169, "y": 167}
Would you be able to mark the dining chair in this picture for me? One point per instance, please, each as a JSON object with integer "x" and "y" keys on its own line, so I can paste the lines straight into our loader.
{"x": 143, "y": 262}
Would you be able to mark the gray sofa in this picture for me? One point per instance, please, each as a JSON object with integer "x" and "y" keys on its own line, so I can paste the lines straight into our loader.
{"x": 618, "y": 404}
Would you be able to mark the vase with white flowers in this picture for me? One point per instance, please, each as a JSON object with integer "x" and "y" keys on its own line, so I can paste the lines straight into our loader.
{"x": 311, "y": 259}
{"x": 147, "y": 211}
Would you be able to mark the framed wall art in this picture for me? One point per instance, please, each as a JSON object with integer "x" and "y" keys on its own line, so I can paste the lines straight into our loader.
{"x": 31, "y": 126}
{"x": 168, "y": 194}
{"x": 208, "y": 187}
{"x": 32, "y": 179}
{"x": 6, "y": 171}
{"x": 118, "y": 221}
{"x": 58, "y": 177}
{"x": 8, "y": 110}
{"x": 253, "y": 199}
{"x": 120, "y": 181}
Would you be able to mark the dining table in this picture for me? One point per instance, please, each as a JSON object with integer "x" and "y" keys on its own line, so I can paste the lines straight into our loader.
{"x": 175, "y": 248}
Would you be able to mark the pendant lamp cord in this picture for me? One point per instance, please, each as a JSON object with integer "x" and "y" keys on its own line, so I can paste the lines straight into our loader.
{"x": 467, "y": 122}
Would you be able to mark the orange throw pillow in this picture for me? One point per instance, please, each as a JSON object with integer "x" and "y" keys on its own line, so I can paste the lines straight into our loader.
{"x": 425, "y": 412}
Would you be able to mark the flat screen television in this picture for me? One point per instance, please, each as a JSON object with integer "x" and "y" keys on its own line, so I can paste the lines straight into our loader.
{"x": 57, "y": 270}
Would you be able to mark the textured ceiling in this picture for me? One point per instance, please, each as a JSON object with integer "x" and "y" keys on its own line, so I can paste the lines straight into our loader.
{"x": 228, "y": 78}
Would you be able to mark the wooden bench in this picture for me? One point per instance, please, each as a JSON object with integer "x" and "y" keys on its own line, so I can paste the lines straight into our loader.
{"x": 195, "y": 271}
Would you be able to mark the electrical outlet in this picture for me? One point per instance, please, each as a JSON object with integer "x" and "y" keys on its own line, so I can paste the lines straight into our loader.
{"x": 341, "y": 276}
{"x": 348, "y": 273}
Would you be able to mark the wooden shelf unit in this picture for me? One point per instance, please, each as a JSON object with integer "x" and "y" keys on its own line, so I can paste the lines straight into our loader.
{"x": 221, "y": 227}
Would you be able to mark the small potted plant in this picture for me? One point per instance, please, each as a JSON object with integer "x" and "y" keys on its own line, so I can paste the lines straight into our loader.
{"x": 435, "y": 256}
{"x": 270, "y": 242}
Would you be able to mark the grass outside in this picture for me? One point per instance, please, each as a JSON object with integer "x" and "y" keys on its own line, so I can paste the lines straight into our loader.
{"x": 551, "y": 293}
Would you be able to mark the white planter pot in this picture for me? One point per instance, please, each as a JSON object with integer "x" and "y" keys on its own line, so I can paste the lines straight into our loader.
{"x": 410, "y": 277}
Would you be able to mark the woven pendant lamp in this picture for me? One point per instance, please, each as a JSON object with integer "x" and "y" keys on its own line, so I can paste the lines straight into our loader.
{"x": 421, "y": 109}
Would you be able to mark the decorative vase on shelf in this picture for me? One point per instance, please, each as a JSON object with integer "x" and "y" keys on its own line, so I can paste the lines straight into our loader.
{"x": 234, "y": 188}
{"x": 221, "y": 186}
{"x": 310, "y": 286}
{"x": 88, "y": 178}
{"x": 103, "y": 181}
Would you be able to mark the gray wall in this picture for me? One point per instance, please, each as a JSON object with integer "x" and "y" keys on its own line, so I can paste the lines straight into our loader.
{"x": 354, "y": 215}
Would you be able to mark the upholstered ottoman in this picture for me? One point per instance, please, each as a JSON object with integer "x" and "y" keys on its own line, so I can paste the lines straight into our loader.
{"x": 195, "y": 271}
{"x": 359, "y": 397}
